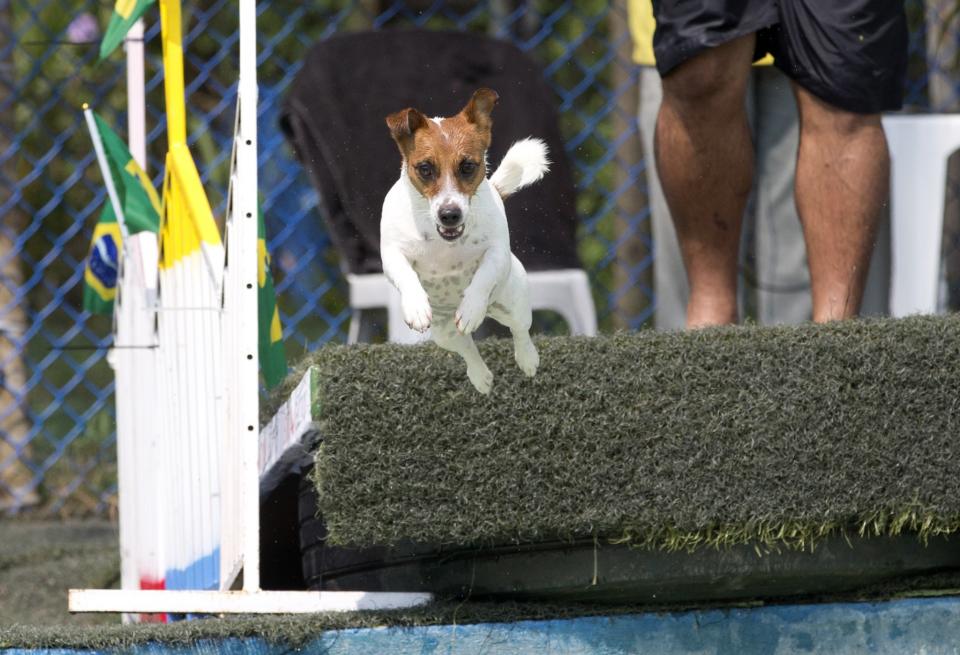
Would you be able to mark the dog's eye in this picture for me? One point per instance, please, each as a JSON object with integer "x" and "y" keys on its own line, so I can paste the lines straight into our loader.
{"x": 425, "y": 170}
{"x": 467, "y": 168}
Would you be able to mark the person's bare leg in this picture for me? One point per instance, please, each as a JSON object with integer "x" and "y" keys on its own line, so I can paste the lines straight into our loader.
{"x": 843, "y": 175}
{"x": 705, "y": 162}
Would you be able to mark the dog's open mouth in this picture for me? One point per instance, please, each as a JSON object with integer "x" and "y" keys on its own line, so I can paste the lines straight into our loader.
{"x": 450, "y": 233}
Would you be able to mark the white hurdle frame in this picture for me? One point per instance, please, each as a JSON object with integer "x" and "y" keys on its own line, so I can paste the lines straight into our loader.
{"x": 240, "y": 316}
{"x": 240, "y": 494}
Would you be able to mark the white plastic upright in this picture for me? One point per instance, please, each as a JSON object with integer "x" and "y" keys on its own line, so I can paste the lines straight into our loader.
{"x": 139, "y": 419}
{"x": 240, "y": 539}
{"x": 919, "y": 148}
{"x": 565, "y": 291}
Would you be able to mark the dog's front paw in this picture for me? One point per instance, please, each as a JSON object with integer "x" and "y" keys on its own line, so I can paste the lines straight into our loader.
{"x": 470, "y": 314}
{"x": 481, "y": 377}
{"x": 416, "y": 311}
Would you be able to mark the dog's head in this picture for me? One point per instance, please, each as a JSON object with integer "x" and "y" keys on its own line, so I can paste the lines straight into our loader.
{"x": 445, "y": 158}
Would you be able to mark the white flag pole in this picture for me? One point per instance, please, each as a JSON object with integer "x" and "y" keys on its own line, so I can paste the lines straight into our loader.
{"x": 136, "y": 95}
{"x": 105, "y": 170}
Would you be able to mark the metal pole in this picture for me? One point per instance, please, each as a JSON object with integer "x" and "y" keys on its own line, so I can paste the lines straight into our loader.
{"x": 136, "y": 95}
{"x": 105, "y": 171}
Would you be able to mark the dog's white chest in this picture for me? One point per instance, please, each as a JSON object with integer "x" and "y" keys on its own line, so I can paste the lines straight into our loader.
{"x": 445, "y": 270}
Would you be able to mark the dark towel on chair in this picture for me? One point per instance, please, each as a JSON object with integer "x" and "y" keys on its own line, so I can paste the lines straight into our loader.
{"x": 334, "y": 118}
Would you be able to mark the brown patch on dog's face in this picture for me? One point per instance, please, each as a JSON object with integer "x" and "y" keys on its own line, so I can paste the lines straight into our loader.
{"x": 446, "y": 158}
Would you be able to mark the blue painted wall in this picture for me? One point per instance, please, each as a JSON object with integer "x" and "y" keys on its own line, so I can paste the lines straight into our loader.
{"x": 928, "y": 626}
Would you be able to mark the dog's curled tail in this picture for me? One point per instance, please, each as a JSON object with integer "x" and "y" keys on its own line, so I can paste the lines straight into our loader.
{"x": 525, "y": 163}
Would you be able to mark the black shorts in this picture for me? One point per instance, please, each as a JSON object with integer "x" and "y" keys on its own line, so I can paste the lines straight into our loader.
{"x": 850, "y": 53}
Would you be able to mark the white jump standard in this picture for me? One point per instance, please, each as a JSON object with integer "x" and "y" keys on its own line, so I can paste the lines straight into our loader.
{"x": 208, "y": 520}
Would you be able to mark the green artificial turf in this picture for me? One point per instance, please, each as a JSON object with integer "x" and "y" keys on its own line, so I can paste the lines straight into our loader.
{"x": 774, "y": 436}
{"x": 40, "y": 560}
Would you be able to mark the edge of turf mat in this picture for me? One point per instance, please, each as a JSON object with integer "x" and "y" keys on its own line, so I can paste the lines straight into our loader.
{"x": 291, "y": 629}
{"x": 297, "y": 631}
{"x": 769, "y": 436}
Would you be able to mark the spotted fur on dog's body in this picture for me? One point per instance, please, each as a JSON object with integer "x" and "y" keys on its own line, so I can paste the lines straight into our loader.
{"x": 443, "y": 233}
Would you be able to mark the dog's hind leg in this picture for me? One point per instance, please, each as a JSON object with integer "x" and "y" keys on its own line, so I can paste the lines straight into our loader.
{"x": 511, "y": 307}
{"x": 446, "y": 336}
{"x": 519, "y": 323}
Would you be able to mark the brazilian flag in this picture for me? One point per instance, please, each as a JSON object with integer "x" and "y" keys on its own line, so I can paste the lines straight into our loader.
{"x": 141, "y": 212}
{"x": 103, "y": 264}
{"x": 125, "y": 14}
{"x": 273, "y": 356}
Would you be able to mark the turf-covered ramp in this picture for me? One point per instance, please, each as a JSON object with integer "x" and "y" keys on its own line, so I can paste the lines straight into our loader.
{"x": 721, "y": 436}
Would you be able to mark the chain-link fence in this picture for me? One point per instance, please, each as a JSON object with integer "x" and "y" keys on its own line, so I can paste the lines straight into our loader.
{"x": 57, "y": 440}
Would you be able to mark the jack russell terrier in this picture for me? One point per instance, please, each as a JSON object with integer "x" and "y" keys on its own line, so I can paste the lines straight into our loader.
{"x": 443, "y": 232}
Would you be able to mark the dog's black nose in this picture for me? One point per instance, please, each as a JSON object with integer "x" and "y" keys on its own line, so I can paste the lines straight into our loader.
{"x": 450, "y": 215}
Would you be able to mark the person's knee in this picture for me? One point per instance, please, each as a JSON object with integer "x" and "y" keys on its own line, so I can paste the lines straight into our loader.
{"x": 818, "y": 116}
{"x": 712, "y": 81}
{"x": 847, "y": 124}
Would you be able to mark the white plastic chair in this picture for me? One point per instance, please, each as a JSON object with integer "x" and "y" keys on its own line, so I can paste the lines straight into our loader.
{"x": 565, "y": 291}
{"x": 919, "y": 148}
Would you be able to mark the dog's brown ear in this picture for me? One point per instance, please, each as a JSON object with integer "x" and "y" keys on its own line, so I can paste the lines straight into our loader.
{"x": 403, "y": 124}
{"x": 479, "y": 108}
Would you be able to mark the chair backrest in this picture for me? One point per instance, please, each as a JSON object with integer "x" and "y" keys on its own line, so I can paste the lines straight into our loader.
{"x": 920, "y": 146}
{"x": 334, "y": 117}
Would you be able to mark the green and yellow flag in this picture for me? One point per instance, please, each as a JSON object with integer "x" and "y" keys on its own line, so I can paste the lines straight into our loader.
{"x": 273, "y": 356}
{"x": 141, "y": 212}
{"x": 103, "y": 264}
{"x": 125, "y": 14}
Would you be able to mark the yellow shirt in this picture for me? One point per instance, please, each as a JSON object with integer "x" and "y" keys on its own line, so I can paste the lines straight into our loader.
{"x": 642, "y": 24}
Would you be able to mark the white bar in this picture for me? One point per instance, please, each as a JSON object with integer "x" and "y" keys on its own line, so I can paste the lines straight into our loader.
{"x": 244, "y": 230}
{"x": 231, "y": 524}
{"x": 238, "y": 602}
{"x": 136, "y": 95}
